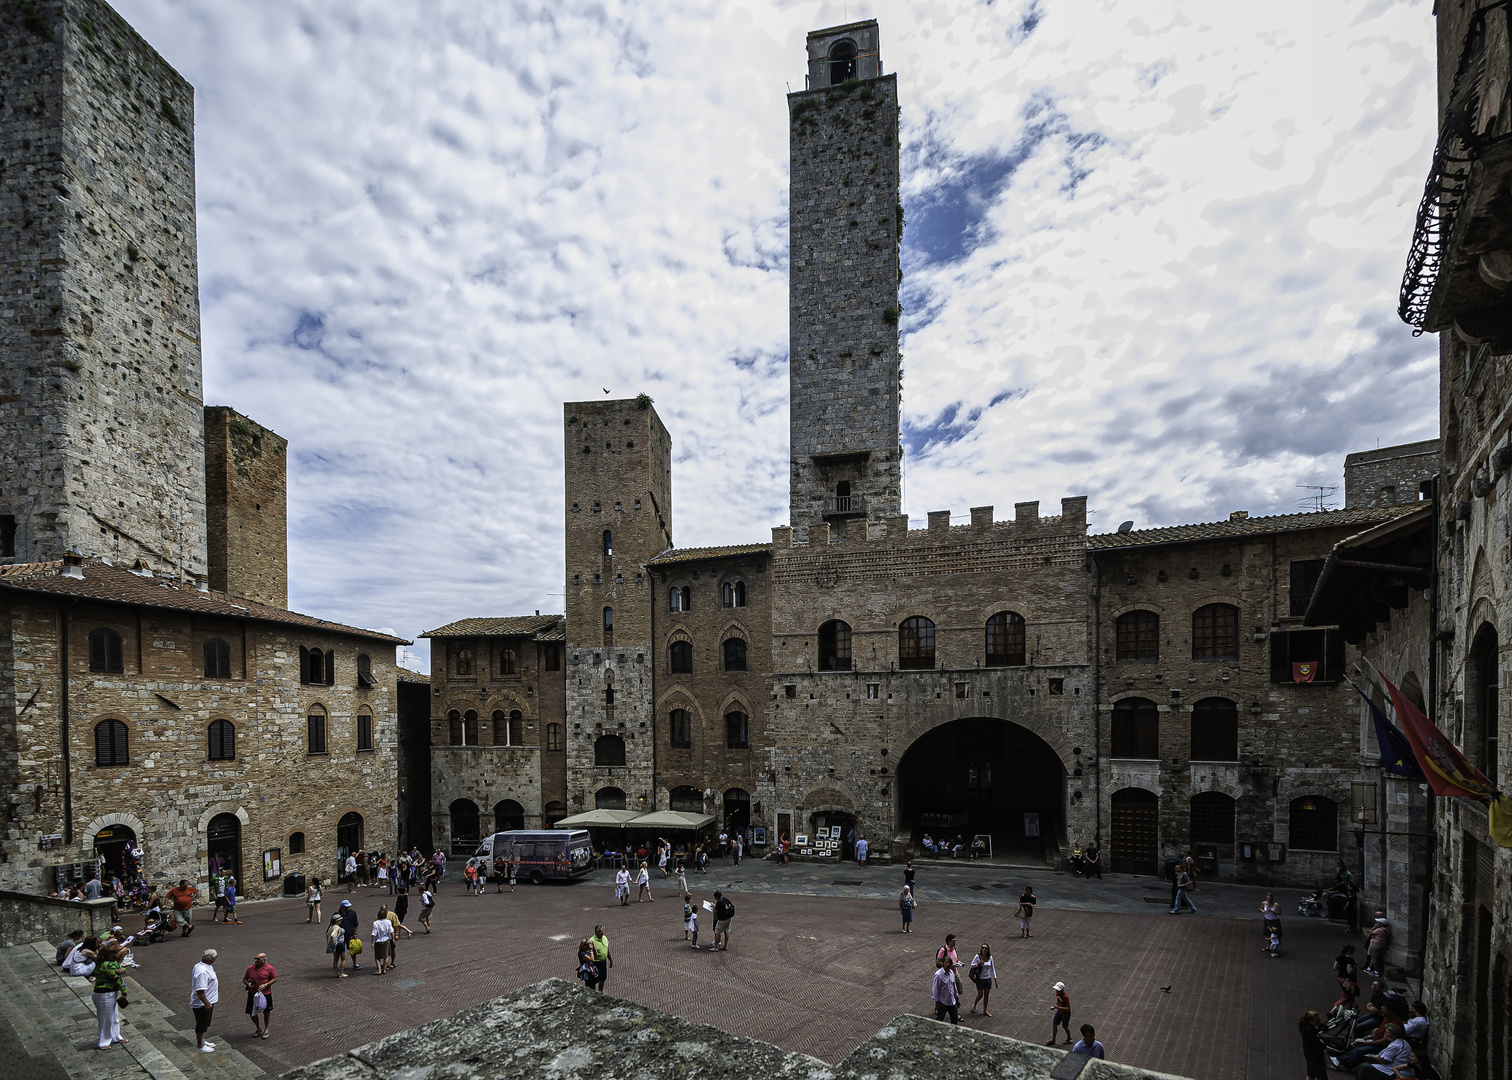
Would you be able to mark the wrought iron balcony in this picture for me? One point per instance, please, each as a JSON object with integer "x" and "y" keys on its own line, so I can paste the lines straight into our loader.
{"x": 845, "y": 506}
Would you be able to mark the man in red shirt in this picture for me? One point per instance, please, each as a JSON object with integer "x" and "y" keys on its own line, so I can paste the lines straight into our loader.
{"x": 183, "y": 904}
{"x": 260, "y": 976}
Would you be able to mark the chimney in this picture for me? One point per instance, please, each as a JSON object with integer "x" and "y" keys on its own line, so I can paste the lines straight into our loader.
{"x": 73, "y": 565}
{"x": 1239, "y": 515}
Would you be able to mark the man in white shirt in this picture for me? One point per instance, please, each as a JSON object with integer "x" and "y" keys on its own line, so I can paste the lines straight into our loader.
{"x": 622, "y": 886}
{"x": 351, "y": 873}
{"x": 383, "y": 934}
{"x": 1417, "y": 1027}
{"x": 204, "y": 992}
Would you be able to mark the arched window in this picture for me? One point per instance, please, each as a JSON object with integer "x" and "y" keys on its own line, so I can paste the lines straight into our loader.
{"x": 455, "y": 735}
{"x": 1483, "y": 727}
{"x": 500, "y": 728}
{"x": 1212, "y": 818}
{"x": 1136, "y": 729}
{"x": 842, "y": 61}
{"x": 608, "y": 543}
{"x": 110, "y": 743}
{"x": 680, "y": 599}
{"x": 686, "y": 800}
{"x": 609, "y": 798}
{"x": 609, "y": 750}
{"x": 1215, "y": 730}
{"x": 296, "y": 843}
{"x": 682, "y": 658}
{"x": 734, "y": 594}
{"x": 317, "y": 667}
{"x": 464, "y": 662}
{"x": 516, "y": 728}
{"x": 1138, "y": 635}
{"x": 315, "y": 730}
{"x": 916, "y": 643}
{"x": 105, "y": 651}
{"x": 1314, "y": 824}
{"x": 464, "y": 827}
{"x": 737, "y": 808}
{"x": 365, "y": 670}
{"x": 1005, "y": 640}
{"x": 217, "y": 659}
{"x": 680, "y": 729}
{"x": 506, "y": 661}
{"x": 508, "y": 815}
{"x": 470, "y": 728}
{"x": 364, "y": 728}
{"x": 222, "y": 740}
{"x": 835, "y": 646}
{"x": 1215, "y": 632}
{"x": 554, "y": 740}
{"x": 734, "y": 654}
{"x": 737, "y": 731}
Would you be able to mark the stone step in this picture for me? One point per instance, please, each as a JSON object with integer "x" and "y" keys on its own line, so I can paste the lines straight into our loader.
{"x": 53, "y": 1016}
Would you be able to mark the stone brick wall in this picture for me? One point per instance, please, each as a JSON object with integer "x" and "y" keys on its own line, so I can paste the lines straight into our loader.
{"x": 246, "y": 507}
{"x": 1389, "y": 475}
{"x": 711, "y": 691}
{"x": 25, "y": 918}
{"x": 169, "y": 790}
{"x": 618, "y": 479}
{"x": 844, "y": 221}
{"x": 100, "y": 388}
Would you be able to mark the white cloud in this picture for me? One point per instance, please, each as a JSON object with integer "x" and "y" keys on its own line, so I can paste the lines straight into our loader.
{"x": 1163, "y": 238}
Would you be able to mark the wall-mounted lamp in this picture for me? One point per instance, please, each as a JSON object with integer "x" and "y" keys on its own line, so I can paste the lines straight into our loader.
{"x": 1254, "y": 708}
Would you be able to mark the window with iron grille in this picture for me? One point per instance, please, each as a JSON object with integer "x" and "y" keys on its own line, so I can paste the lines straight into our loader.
{"x": 916, "y": 643}
{"x": 1215, "y": 632}
{"x": 364, "y": 731}
{"x": 222, "y": 740}
{"x": 1137, "y": 635}
{"x": 1005, "y": 639}
{"x": 1215, "y": 730}
{"x": 106, "y": 654}
{"x": 110, "y": 743}
{"x": 835, "y": 646}
{"x": 1136, "y": 729}
{"x": 1314, "y": 824}
{"x": 217, "y": 659}
{"x": 680, "y": 729}
{"x": 1212, "y": 818}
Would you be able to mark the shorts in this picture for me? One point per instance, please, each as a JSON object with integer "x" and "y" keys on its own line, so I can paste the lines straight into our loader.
{"x": 600, "y": 970}
{"x": 983, "y": 984}
{"x": 380, "y": 950}
{"x": 220, "y": 901}
{"x": 338, "y": 946}
{"x": 721, "y": 926}
{"x": 202, "y": 1019}
{"x": 1057, "y": 1020}
{"x": 251, "y": 994}
{"x": 185, "y": 914}
{"x": 621, "y": 890}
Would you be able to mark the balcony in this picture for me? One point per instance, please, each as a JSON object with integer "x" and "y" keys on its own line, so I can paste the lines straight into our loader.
{"x": 843, "y": 506}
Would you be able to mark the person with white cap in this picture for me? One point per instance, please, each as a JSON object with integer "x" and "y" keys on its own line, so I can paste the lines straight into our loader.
{"x": 1060, "y": 1016}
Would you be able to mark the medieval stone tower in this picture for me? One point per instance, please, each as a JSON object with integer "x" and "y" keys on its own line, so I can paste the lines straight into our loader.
{"x": 844, "y": 228}
{"x": 100, "y": 396}
{"x": 246, "y": 507}
{"x": 619, "y": 515}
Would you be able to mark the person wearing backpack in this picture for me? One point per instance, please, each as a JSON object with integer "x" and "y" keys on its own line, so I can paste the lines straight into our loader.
{"x": 724, "y": 911}
{"x": 427, "y": 905}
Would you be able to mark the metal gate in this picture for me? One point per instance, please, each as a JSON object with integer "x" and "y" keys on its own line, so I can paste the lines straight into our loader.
{"x": 1136, "y": 832}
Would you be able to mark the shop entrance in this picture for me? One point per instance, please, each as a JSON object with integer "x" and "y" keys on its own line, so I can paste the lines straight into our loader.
{"x": 737, "y": 809}
{"x": 223, "y": 845}
{"x": 113, "y": 846}
{"x": 830, "y": 832}
{"x": 984, "y": 776}
{"x": 348, "y": 841}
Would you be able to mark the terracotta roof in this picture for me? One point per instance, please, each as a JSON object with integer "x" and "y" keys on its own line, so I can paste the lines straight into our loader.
{"x": 1255, "y": 526}
{"x": 539, "y": 627}
{"x": 115, "y": 585}
{"x": 677, "y": 555}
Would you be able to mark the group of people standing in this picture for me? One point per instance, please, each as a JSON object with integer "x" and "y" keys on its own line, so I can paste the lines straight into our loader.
{"x": 363, "y": 869}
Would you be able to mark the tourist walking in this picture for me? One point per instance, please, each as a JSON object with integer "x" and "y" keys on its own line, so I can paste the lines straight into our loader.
{"x": 108, "y": 988}
{"x": 383, "y": 934}
{"x": 908, "y": 879}
{"x": 1089, "y": 1044}
{"x": 231, "y": 915}
{"x": 680, "y": 872}
{"x": 401, "y": 903}
{"x": 906, "y": 904}
{"x": 312, "y": 901}
{"x": 1060, "y": 1015}
{"x": 587, "y": 970}
{"x": 622, "y": 886}
{"x": 217, "y": 894}
{"x": 1093, "y": 860}
{"x": 336, "y": 946}
{"x": 1312, "y": 1045}
{"x": 204, "y": 992}
{"x": 1270, "y": 912}
{"x": 724, "y": 911}
{"x": 349, "y": 926}
{"x": 513, "y": 869}
{"x": 351, "y": 872}
{"x": 1347, "y": 973}
{"x": 470, "y": 874}
{"x": 983, "y": 973}
{"x": 690, "y": 920}
{"x": 945, "y": 993}
{"x": 183, "y": 896}
{"x": 427, "y": 907}
{"x": 603, "y": 959}
{"x": 1183, "y": 883}
{"x": 663, "y": 852}
{"x": 1027, "y": 902}
{"x": 643, "y": 885}
{"x": 862, "y": 847}
{"x": 259, "y": 979}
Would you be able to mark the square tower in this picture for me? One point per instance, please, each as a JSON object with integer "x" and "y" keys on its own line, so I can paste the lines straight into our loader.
{"x": 100, "y": 397}
{"x": 619, "y": 516}
{"x": 844, "y": 227}
{"x": 247, "y": 507}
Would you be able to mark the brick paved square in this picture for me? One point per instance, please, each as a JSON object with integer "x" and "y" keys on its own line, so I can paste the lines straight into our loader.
{"x": 812, "y": 973}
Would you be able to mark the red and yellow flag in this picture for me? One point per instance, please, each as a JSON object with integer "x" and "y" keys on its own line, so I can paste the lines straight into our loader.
{"x": 1304, "y": 670}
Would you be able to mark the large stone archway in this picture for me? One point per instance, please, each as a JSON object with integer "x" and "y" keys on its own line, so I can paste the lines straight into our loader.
{"x": 984, "y": 775}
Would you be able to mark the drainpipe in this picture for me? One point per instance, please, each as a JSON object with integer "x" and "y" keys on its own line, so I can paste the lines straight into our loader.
{"x": 63, "y": 723}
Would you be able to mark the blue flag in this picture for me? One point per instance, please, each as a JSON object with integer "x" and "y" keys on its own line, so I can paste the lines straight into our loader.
{"x": 1397, "y": 757}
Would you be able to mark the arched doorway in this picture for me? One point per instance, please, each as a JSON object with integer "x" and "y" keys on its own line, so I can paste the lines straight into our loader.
{"x": 508, "y": 815}
{"x": 348, "y": 840}
{"x": 464, "y": 828}
{"x": 984, "y": 776}
{"x": 223, "y": 845}
{"x": 113, "y": 847}
{"x": 737, "y": 808}
{"x": 1136, "y": 832}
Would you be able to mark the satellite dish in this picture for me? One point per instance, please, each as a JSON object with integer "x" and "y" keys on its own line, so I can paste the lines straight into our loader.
{"x": 1126, "y": 526}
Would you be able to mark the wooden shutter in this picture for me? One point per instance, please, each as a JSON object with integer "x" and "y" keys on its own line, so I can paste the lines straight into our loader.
{"x": 330, "y": 667}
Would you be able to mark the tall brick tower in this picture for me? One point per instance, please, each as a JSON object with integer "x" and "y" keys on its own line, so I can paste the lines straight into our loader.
{"x": 619, "y": 515}
{"x": 844, "y": 218}
{"x": 246, "y": 507}
{"x": 100, "y": 410}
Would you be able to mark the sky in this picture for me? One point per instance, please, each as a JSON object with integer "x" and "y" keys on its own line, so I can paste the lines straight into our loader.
{"x": 1152, "y": 257}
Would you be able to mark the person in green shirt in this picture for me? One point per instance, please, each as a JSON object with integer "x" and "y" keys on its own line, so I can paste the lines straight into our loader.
{"x": 603, "y": 959}
{"x": 108, "y": 988}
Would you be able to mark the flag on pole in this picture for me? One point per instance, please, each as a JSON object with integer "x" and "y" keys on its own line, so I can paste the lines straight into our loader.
{"x": 1397, "y": 757}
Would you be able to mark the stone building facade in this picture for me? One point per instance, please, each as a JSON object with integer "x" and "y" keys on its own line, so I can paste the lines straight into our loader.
{"x": 246, "y": 507}
{"x": 100, "y": 389}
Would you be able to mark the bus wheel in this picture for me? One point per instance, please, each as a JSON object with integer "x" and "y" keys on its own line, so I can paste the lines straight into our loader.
{"x": 537, "y": 878}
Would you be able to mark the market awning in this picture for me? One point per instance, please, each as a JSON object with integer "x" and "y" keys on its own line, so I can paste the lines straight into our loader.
{"x": 1369, "y": 575}
{"x": 617, "y": 819}
{"x": 672, "y": 819}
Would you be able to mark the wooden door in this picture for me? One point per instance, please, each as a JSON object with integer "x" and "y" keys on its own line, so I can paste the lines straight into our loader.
{"x": 1136, "y": 832}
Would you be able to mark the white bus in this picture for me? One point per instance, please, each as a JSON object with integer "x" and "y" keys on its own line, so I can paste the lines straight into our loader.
{"x": 541, "y": 854}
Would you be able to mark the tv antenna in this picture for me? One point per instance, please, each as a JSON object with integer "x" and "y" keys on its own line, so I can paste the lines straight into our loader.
{"x": 1321, "y": 494}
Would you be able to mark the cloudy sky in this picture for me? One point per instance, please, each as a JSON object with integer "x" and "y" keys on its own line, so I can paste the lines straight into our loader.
{"x": 1152, "y": 257}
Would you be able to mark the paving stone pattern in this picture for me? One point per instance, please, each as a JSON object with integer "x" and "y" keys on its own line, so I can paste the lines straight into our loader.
{"x": 812, "y": 973}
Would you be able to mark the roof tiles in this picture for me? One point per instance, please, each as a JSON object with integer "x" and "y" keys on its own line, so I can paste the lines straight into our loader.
{"x": 539, "y": 627}
{"x": 679, "y": 555}
{"x": 1249, "y": 526}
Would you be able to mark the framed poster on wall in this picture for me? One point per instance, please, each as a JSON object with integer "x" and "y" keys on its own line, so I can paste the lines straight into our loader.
{"x": 801, "y": 840}
{"x": 758, "y": 837}
{"x": 272, "y": 864}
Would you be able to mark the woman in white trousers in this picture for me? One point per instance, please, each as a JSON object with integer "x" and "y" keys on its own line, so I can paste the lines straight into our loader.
{"x": 108, "y": 987}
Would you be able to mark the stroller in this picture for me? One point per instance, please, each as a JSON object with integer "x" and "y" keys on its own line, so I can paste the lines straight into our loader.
{"x": 1337, "y": 1032}
{"x": 1313, "y": 906}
